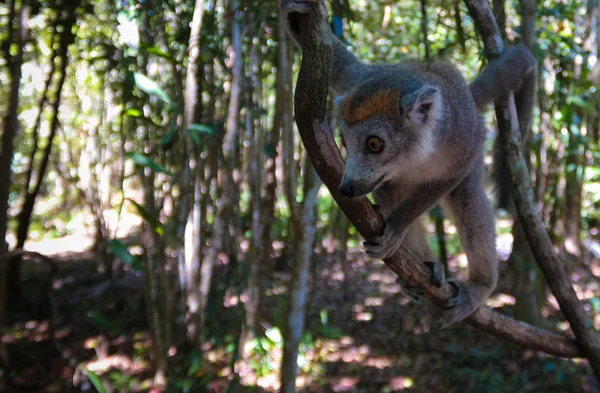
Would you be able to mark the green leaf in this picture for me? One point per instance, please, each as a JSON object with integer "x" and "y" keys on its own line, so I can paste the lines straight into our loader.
{"x": 120, "y": 251}
{"x": 96, "y": 381}
{"x": 133, "y": 113}
{"x": 274, "y": 335}
{"x": 146, "y": 162}
{"x": 167, "y": 141}
{"x": 196, "y": 131}
{"x": 147, "y": 85}
{"x": 153, "y": 50}
{"x": 195, "y": 366}
{"x": 149, "y": 218}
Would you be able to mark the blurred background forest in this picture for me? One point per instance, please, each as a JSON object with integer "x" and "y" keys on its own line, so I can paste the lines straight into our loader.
{"x": 165, "y": 231}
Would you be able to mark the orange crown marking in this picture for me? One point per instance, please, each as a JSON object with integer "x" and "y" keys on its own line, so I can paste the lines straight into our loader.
{"x": 381, "y": 103}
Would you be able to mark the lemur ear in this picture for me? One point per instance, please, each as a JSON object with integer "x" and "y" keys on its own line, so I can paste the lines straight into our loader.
{"x": 422, "y": 107}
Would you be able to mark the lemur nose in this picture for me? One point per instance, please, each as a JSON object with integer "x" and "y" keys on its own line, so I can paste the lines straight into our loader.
{"x": 346, "y": 189}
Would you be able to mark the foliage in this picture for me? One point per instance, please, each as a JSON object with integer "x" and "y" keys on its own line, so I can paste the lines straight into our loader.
{"x": 125, "y": 167}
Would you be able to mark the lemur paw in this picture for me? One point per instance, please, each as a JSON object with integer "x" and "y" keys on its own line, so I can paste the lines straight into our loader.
{"x": 437, "y": 272}
{"x": 385, "y": 245}
{"x": 458, "y": 307}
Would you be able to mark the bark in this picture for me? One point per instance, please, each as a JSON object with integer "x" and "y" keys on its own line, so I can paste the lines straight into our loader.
{"x": 24, "y": 217}
{"x": 557, "y": 278}
{"x": 224, "y": 229}
{"x": 254, "y": 257}
{"x": 343, "y": 225}
{"x": 424, "y": 29}
{"x": 572, "y": 217}
{"x": 521, "y": 262}
{"x": 438, "y": 216}
{"x": 11, "y": 129}
{"x": 304, "y": 235}
{"x": 26, "y": 212}
{"x": 460, "y": 32}
{"x": 310, "y": 100}
{"x": 500, "y": 15}
{"x": 39, "y": 116}
{"x": 188, "y": 250}
{"x": 284, "y": 71}
{"x": 528, "y": 34}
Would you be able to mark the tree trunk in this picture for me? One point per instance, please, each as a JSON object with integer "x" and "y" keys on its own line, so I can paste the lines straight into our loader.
{"x": 188, "y": 247}
{"x": 254, "y": 256}
{"x": 24, "y": 218}
{"x": 224, "y": 231}
{"x": 11, "y": 129}
{"x": 572, "y": 218}
{"x": 424, "y": 28}
{"x": 304, "y": 235}
{"x": 526, "y": 277}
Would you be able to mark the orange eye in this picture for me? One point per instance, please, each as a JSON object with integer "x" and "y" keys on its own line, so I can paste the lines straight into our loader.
{"x": 374, "y": 144}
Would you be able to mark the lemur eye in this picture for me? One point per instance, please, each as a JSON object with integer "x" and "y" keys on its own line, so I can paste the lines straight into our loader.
{"x": 375, "y": 144}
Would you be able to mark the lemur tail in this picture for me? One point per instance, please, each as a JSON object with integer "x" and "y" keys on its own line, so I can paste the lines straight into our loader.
{"x": 516, "y": 71}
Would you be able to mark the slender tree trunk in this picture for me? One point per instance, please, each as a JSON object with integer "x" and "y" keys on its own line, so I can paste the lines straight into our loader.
{"x": 225, "y": 226}
{"x": 343, "y": 227}
{"x": 11, "y": 129}
{"x": 424, "y": 28}
{"x": 41, "y": 106}
{"x": 438, "y": 216}
{"x": 525, "y": 273}
{"x": 254, "y": 257}
{"x": 500, "y": 15}
{"x": 24, "y": 218}
{"x": 572, "y": 218}
{"x": 188, "y": 249}
{"x": 459, "y": 28}
{"x": 303, "y": 248}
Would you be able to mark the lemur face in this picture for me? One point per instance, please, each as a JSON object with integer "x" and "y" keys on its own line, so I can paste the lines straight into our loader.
{"x": 387, "y": 135}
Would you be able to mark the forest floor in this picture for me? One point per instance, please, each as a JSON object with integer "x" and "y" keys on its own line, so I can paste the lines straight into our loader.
{"x": 362, "y": 336}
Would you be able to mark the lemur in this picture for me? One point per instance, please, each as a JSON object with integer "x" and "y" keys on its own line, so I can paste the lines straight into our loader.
{"x": 414, "y": 136}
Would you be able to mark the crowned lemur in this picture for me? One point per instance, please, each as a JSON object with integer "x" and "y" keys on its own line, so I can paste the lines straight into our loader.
{"x": 414, "y": 136}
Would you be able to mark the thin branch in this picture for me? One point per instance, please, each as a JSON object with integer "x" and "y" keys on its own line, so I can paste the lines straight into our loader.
{"x": 552, "y": 268}
{"x": 310, "y": 101}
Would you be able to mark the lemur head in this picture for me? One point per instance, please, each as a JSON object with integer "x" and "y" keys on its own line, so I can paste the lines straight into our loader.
{"x": 386, "y": 133}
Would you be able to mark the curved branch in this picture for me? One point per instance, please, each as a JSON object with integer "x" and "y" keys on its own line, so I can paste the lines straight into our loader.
{"x": 309, "y": 105}
{"x": 539, "y": 241}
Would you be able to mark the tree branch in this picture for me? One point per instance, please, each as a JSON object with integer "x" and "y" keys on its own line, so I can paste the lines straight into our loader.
{"x": 552, "y": 268}
{"x": 310, "y": 101}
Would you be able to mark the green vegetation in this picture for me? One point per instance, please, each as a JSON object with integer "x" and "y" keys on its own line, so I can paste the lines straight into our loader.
{"x": 151, "y": 170}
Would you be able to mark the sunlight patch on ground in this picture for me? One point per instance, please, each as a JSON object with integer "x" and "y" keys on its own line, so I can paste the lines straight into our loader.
{"x": 401, "y": 383}
{"x": 74, "y": 243}
{"x": 33, "y": 330}
{"x": 343, "y": 384}
{"x": 120, "y": 362}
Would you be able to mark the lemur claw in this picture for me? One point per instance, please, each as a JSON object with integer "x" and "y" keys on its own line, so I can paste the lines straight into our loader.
{"x": 386, "y": 244}
{"x": 437, "y": 272}
{"x": 437, "y": 279}
{"x": 458, "y": 307}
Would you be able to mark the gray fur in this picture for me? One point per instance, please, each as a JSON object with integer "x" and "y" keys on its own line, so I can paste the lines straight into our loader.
{"x": 433, "y": 149}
